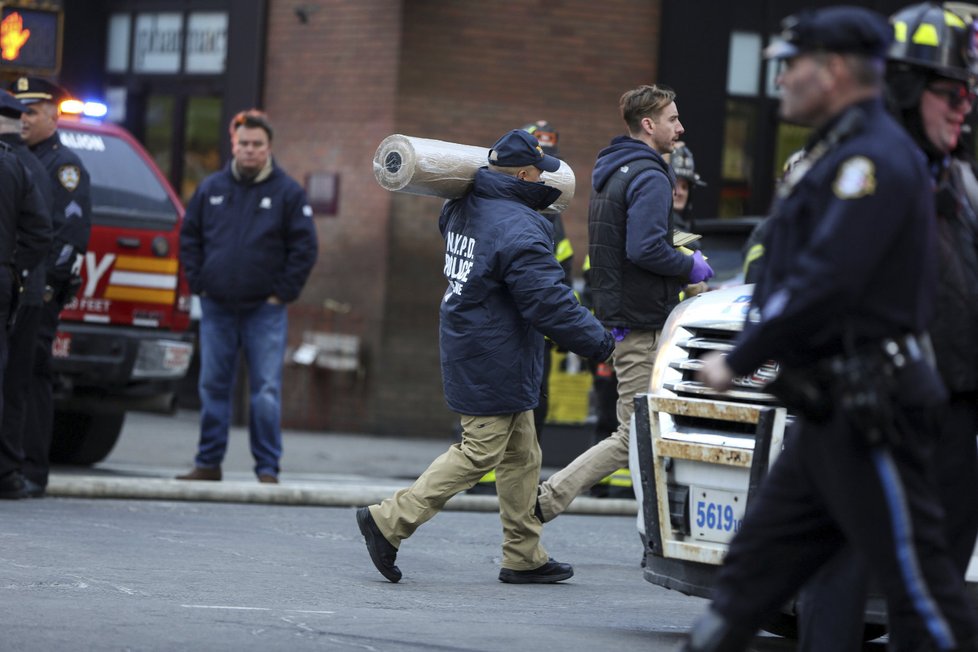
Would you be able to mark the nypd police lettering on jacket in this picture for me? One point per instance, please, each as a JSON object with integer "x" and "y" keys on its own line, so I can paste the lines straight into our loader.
{"x": 505, "y": 290}
{"x": 459, "y": 256}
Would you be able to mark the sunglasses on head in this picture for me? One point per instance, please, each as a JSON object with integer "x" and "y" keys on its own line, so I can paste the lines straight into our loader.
{"x": 954, "y": 95}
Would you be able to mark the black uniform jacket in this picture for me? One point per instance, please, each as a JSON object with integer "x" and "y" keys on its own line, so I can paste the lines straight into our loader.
{"x": 25, "y": 229}
{"x": 850, "y": 246}
{"x": 71, "y": 214}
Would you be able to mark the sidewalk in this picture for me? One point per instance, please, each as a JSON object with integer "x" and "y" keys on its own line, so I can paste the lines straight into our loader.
{"x": 322, "y": 469}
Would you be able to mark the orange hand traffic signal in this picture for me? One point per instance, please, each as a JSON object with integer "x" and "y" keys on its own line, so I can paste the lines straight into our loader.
{"x": 12, "y": 36}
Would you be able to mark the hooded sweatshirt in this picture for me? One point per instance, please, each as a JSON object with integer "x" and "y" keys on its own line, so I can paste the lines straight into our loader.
{"x": 636, "y": 273}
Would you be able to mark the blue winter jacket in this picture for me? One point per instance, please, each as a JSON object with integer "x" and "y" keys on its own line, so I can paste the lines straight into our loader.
{"x": 504, "y": 289}
{"x": 244, "y": 241}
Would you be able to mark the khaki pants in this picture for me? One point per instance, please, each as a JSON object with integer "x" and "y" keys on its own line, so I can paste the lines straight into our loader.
{"x": 507, "y": 443}
{"x": 633, "y": 359}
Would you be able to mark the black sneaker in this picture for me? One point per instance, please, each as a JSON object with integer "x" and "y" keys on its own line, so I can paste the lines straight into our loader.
{"x": 552, "y": 571}
{"x": 12, "y": 486}
{"x": 382, "y": 553}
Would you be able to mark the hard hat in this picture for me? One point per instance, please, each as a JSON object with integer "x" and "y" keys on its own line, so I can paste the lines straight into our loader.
{"x": 545, "y": 134}
{"x": 932, "y": 37}
{"x": 682, "y": 162}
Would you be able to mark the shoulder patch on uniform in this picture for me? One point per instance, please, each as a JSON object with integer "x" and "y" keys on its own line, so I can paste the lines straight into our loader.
{"x": 856, "y": 178}
{"x": 69, "y": 176}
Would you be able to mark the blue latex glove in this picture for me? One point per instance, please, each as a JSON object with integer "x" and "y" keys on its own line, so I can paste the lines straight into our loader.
{"x": 701, "y": 270}
{"x": 620, "y": 332}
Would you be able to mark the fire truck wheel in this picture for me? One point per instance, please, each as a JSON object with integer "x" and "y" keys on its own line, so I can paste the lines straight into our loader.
{"x": 82, "y": 439}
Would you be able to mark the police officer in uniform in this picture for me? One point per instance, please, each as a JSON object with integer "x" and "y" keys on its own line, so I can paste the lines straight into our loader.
{"x": 842, "y": 304}
{"x": 930, "y": 79}
{"x": 22, "y": 331}
{"x": 71, "y": 219}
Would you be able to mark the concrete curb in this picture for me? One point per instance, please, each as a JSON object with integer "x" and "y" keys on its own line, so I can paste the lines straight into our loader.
{"x": 300, "y": 493}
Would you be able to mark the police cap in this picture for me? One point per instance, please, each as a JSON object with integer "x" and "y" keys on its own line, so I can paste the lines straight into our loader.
{"x": 35, "y": 89}
{"x": 9, "y": 106}
{"x": 843, "y": 29}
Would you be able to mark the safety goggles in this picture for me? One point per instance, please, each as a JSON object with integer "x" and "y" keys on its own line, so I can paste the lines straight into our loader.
{"x": 955, "y": 95}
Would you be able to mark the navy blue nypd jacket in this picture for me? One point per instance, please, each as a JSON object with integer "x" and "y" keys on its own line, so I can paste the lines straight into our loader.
{"x": 504, "y": 292}
{"x": 243, "y": 241}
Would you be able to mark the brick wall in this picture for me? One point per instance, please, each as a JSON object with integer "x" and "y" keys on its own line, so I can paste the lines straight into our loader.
{"x": 330, "y": 89}
{"x": 468, "y": 72}
{"x": 458, "y": 70}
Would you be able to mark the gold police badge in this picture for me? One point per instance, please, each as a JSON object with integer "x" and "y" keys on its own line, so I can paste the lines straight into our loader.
{"x": 856, "y": 178}
{"x": 69, "y": 176}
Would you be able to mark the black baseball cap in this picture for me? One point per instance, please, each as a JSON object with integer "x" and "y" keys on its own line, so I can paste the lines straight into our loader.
{"x": 10, "y": 107}
{"x": 843, "y": 29}
{"x": 518, "y": 149}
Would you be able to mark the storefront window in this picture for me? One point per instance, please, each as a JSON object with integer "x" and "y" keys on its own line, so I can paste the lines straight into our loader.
{"x": 738, "y": 157}
{"x": 207, "y": 42}
{"x": 744, "y": 64}
{"x": 158, "y": 44}
{"x": 159, "y": 130}
{"x": 201, "y": 153}
{"x": 791, "y": 138}
{"x": 117, "y": 51}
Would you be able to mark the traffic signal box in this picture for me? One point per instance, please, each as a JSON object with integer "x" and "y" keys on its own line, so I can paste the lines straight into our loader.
{"x": 30, "y": 38}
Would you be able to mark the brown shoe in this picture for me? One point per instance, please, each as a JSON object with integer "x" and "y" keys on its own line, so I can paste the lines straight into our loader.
{"x": 200, "y": 473}
{"x": 267, "y": 478}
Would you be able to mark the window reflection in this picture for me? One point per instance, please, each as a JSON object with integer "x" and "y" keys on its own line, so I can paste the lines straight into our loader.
{"x": 738, "y": 157}
{"x": 159, "y": 130}
{"x": 201, "y": 153}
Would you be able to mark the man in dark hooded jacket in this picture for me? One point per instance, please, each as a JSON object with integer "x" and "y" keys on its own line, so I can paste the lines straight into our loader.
{"x": 505, "y": 292}
{"x": 636, "y": 272}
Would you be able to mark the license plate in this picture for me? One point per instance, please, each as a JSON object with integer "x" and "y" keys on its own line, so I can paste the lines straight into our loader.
{"x": 61, "y": 347}
{"x": 715, "y": 515}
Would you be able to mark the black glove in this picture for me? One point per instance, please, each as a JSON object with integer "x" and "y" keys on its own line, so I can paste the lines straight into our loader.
{"x": 64, "y": 263}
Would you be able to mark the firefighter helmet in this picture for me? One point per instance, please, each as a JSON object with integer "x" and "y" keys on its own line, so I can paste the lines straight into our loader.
{"x": 681, "y": 160}
{"x": 929, "y": 36}
{"x": 545, "y": 134}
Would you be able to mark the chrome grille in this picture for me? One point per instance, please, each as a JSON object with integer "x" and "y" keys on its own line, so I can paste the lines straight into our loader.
{"x": 703, "y": 340}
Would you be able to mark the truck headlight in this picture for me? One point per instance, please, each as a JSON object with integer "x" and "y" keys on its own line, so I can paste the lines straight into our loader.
{"x": 162, "y": 359}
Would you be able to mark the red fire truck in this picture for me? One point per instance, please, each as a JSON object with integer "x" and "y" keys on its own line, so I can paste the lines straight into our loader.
{"x": 123, "y": 342}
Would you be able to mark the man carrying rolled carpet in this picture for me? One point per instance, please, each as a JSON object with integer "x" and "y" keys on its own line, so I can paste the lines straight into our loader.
{"x": 504, "y": 293}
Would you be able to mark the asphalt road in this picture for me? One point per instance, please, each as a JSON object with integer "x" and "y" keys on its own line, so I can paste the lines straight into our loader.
{"x": 146, "y": 575}
{"x": 107, "y": 574}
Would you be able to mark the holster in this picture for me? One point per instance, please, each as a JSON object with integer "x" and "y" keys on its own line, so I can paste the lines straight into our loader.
{"x": 67, "y": 289}
{"x": 805, "y": 391}
{"x": 870, "y": 386}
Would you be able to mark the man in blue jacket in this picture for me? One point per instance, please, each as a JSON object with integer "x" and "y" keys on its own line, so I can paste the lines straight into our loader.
{"x": 636, "y": 272}
{"x": 505, "y": 292}
{"x": 247, "y": 245}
